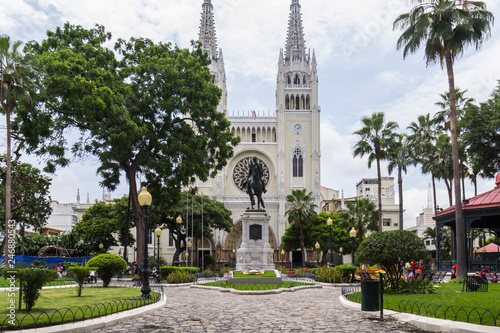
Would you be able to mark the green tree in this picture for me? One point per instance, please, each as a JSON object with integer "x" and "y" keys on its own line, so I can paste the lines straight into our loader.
{"x": 388, "y": 248}
{"x": 99, "y": 225}
{"x": 30, "y": 201}
{"x": 301, "y": 211}
{"x": 204, "y": 216}
{"x": 399, "y": 158}
{"x": 151, "y": 112}
{"x": 442, "y": 118}
{"x": 481, "y": 135}
{"x": 446, "y": 28}
{"x": 362, "y": 214}
{"x": 18, "y": 87}
{"x": 375, "y": 137}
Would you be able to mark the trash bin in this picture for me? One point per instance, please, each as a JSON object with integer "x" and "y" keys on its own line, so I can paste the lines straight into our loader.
{"x": 119, "y": 275}
{"x": 370, "y": 295}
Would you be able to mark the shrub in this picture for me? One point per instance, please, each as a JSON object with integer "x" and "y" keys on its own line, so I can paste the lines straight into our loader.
{"x": 412, "y": 286}
{"x": 165, "y": 271}
{"x": 328, "y": 275}
{"x": 300, "y": 272}
{"x": 346, "y": 271}
{"x": 31, "y": 281}
{"x": 80, "y": 274}
{"x": 388, "y": 248}
{"x": 180, "y": 276}
{"x": 281, "y": 270}
{"x": 107, "y": 265}
{"x": 224, "y": 270}
{"x": 209, "y": 260}
{"x": 153, "y": 262}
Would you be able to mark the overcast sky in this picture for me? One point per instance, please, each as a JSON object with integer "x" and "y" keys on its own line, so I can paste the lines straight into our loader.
{"x": 360, "y": 71}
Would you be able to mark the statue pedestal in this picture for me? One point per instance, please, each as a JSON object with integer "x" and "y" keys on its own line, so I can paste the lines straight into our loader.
{"x": 255, "y": 250}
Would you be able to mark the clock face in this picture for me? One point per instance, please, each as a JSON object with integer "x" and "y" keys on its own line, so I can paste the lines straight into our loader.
{"x": 297, "y": 128}
{"x": 240, "y": 172}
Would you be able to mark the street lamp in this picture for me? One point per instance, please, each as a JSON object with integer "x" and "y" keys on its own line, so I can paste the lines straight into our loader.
{"x": 282, "y": 256}
{"x": 353, "y": 234}
{"x": 158, "y": 235}
{"x": 234, "y": 258}
{"x": 317, "y": 251}
{"x": 145, "y": 200}
{"x": 189, "y": 244}
{"x": 178, "y": 223}
{"x": 341, "y": 250}
{"x": 101, "y": 246}
{"x": 330, "y": 258}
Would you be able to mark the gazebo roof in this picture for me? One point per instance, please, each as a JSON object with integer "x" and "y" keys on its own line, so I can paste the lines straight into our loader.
{"x": 490, "y": 248}
{"x": 490, "y": 199}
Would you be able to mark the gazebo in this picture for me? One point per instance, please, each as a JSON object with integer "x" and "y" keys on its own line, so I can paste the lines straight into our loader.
{"x": 481, "y": 211}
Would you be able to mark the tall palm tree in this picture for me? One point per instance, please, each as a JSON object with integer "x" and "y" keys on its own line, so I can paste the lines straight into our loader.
{"x": 375, "y": 138}
{"x": 442, "y": 118}
{"x": 301, "y": 210}
{"x": 399, "y": 158}
{"x": 362, "y": 214}
{"x": 18, "y": 86}
{"x": 442, "y": 163}
{"x": 446, "y": 28}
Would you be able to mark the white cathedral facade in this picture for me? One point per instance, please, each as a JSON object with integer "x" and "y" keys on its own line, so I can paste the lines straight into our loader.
{"x": 285, "y": 141}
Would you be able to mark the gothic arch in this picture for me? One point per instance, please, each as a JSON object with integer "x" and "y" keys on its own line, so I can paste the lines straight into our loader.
{"x": 297, "y": 102}
{"x": 302, "y": 102}
{"x": 287, "y": 102}
{"x": 308, "y": 102}
{"x": 296, "y": 80}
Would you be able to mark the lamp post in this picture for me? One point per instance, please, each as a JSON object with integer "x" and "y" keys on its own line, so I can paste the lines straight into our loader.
{"x": 330, "y": 256}
{"x": 317, "y": 252}
{"x": 145, "y": 200}
{"x": 341, "y": 250}
{"x": 234, "y": 258}
{"x": 189, "y": 244}
{"x": 282, "y": 256}
{"x": 353, "y": 234}
{"x": 178, "y": 223}
{"x": 158, "y": 235}
{"x": 101, "y": 246}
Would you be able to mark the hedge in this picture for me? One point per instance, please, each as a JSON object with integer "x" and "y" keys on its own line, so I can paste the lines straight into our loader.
{"x": 167, "y": 270}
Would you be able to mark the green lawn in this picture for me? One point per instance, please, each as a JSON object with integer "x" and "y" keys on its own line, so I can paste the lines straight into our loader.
{"x": 66, "y": 298}
{"x": 449, "y": 301}
{"x": 4, "y": 283}
{"x": 224, "y": 284}
{"x": 266, "y": 274}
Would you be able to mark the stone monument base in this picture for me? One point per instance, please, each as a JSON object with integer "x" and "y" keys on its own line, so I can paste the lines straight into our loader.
{"x": 255, "y": 251}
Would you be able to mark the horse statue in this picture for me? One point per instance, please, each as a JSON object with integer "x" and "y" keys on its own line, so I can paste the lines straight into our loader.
{"x": 255, "y": 184}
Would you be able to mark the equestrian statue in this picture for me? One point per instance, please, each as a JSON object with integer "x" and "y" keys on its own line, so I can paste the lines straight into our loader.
{"x": 255, "y": 184}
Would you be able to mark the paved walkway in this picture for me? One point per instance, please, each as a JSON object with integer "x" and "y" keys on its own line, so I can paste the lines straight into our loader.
{"x": 311, "y": 310}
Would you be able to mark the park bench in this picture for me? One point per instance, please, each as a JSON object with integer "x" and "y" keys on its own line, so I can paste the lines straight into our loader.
{"x": 425, "y": 276}
{"x": 438, "y": 277}
{"x": 474, "y": 283}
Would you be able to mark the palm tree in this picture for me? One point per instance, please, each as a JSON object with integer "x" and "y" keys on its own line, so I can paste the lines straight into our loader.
{"x": 399, "y": 158}
{"x": 301, "y": 210}
{"x": 446, "y": 28}
{"x": 362, "y": 214}
{"x": 375, "y": 138}
{"x": 442, "y": 163}
{"x": 18, "y": 86}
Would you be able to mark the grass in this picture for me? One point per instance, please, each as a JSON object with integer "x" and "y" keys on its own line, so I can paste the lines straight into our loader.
{"x": 51, "y": 299}
{"x": 286, "y": 284}
{"x": 266, "y": 274}
{"x": 447, "y": 300}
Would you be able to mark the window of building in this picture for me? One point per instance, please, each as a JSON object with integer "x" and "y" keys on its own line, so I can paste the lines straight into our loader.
{"x": 170, "y": 239}
{"x": 298, "y": 163}
{"x": 254, "y": 137}
{"x": 386, "y": 222}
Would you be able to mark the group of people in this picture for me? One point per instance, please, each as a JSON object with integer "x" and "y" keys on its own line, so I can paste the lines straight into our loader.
{"x": 411, "y": 269}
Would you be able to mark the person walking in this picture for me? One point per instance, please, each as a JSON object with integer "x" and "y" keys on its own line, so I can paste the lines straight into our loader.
{"x": 453, "y": 269}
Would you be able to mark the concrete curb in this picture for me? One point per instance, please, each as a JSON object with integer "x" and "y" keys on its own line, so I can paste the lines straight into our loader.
{"x": 255, "y": 292}
{"x": 101, "y": 322}
{"x": 425, "y": 323}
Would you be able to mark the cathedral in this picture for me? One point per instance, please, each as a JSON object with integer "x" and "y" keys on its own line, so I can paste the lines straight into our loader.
{"x": 286, "y": 141}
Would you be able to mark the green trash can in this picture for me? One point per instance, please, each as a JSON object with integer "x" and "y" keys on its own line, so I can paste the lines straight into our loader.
{"x": 370, "y": 295}
{"x": 119, "y": 275}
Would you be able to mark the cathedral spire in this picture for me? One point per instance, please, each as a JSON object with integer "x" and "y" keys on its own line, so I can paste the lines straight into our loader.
{"x": 295, "y": 44}
{"x": 207, "y": 30}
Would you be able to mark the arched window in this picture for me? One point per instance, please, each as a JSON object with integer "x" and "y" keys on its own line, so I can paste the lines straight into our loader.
{"x": 287, "y": 102}
{"x": 308, "y": 102}
{"x": 289, "y": 79}
{"x": 298, "y": 163}
{"x": 304, "y": 80}
{"x": 297, "y": 102}
{"x": 297, "y": 79}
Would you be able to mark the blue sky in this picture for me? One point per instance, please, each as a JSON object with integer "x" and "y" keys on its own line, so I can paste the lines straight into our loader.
{"x": 360, "y": 70}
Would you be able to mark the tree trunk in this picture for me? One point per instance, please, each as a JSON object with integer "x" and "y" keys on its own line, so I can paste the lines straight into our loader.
{"x": 400, "y": 190}
{"x": 460, "y": 228}
{"x": 449, "y": 187}
{"x": 130, "y": 171}
{"x": 379, "y": 177}
{"x": 302, "y": 246}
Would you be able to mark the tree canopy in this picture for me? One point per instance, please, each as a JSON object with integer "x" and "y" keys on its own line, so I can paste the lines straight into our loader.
{"x": 153, "y": 111}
